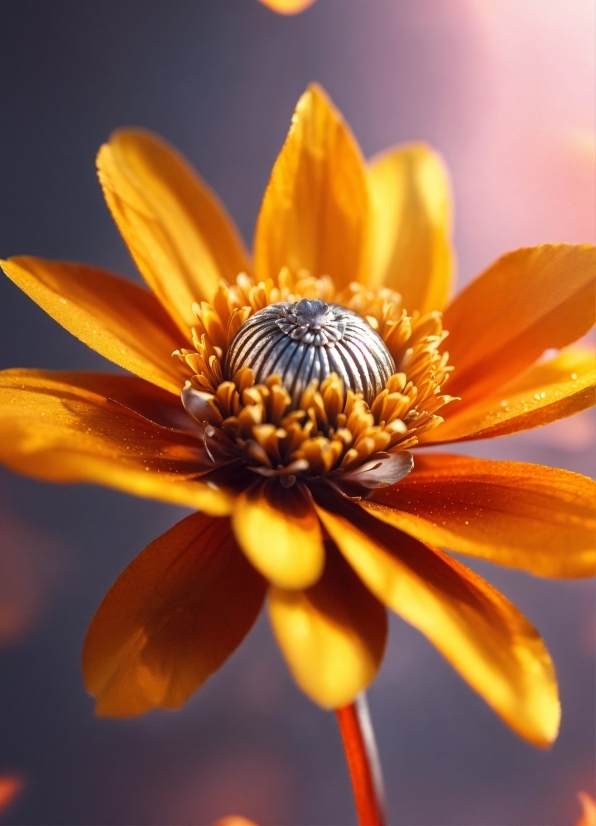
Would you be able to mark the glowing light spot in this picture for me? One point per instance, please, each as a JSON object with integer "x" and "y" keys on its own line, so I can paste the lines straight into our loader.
{"x": 10, "y": 788}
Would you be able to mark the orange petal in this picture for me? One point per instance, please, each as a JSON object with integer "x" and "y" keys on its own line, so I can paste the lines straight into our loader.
{"x": 85, "y": 427}
{"x": 288, "y": 6}
{"x": 315, "y": 212}
{"x": 332, "y": 635}
{"x": 490, "y": 643}
{"x": 546, "y": 392}
{"x": 537, "y": 518}
{"x": 178, "y": 233}
{"x": 114, "y": 317}
{"x": 527, "y": 302}
{"x": 171, "y": 619}
{"x": 279, "y": 532}
{"x": 411, "y": 204}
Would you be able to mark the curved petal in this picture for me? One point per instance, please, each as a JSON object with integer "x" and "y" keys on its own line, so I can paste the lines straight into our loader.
{"x": 537, "y": 518}
{"x": 171, "y": 619}
{"x": 178, "y": 233}
{"x": 85, "y": 427}
{"x": 278, "y": 530}
{"x": 529, "y": 301}
{"x": 411, "y": 206}
{"x": 114, "y": 317}
{"x": 490, "y": 643}
{"x": 333, "y": 635}
{"x": 315, "y": 212}
{"x": 546, "y": 392}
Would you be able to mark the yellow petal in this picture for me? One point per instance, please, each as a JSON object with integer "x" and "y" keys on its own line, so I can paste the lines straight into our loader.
{"x": 332, "y": 635}
{"x": 546, "y": 392}
{"x": 490, "y": 643}
{"x": 114, "y": 317}
{"x": 288, "y": 6}
{"x": 178, "y": 233}
{"x": 171, "y": 619}
{"x": 85, "y": 427}
{"x": 279, "y": 532}
{"x": 537, "y": 518}
{"x": 315, "y": 212}
{"x": 527, "y": 302}
{"x": 411, "y": 205}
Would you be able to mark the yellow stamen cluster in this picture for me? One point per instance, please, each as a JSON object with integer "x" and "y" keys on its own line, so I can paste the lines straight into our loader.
{"x": 333, "y": 427}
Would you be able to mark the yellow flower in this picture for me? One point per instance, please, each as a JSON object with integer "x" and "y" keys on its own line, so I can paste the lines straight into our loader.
{"x": 309, "y": 498}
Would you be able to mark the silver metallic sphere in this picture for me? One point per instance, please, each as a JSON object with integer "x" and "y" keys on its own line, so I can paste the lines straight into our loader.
{"x": 310, "y": 340}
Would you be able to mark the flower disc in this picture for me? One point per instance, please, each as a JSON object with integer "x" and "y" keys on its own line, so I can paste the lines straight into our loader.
{"x": 308, "y": 340}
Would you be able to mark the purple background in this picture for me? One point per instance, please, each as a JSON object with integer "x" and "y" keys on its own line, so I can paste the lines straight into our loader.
{"x": 505, "y": 90}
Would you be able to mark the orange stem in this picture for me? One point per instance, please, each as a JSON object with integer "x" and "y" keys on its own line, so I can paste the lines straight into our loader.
{"x": 363, "y": 761}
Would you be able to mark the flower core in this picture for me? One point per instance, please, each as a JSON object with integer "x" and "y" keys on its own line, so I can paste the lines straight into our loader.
{"x": 309, "y": 414}
{"x": 308, "y": 341}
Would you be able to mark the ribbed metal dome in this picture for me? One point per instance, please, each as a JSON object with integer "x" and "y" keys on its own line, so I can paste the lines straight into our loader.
{"x": 310, "y": 340}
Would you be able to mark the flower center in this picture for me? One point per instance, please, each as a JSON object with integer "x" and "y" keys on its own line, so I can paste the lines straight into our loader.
{"x": 309, "y": 340}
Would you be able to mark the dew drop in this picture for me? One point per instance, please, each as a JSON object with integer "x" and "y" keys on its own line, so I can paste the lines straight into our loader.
{"x": 574, "y": 376}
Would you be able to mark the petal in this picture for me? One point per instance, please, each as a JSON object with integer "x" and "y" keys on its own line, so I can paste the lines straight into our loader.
{"x": 332, "y": 635}
{"x": 114, "y": 317}
{"x": 490, "y": 643}
{"x": 527, "y": 302}
{"x": 278, "y": 530}
{"x": 411, "y": 205}
{"x": 546, "y": 392}
{"x": 379, "y": 471}
{"x": 537, "y": 518}
{"x": 171, "y": 619}
{"x": 315, "y": 212}
{"x": 178, "y": 233}
{"x": 85, "y": 427}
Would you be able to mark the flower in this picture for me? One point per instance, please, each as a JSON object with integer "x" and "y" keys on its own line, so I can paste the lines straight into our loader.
{"x": 313, "y": 501}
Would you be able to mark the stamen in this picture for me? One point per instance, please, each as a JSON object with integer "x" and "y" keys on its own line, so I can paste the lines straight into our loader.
{"x": 301, "y": 388}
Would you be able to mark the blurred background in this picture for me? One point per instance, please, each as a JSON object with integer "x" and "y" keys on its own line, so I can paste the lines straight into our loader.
{"x": 505, "y": 90}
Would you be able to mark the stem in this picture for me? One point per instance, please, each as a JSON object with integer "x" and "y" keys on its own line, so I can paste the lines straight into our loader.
{"x": 363, "y": 761}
